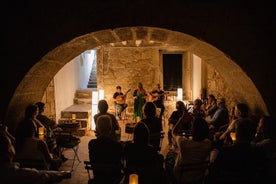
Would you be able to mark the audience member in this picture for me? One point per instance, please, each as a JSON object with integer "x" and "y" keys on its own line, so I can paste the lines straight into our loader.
{"x": 236, "y": 161}
{"x": 31, "y": 112}
{"x": 174, "y": 118}
{"x": 45, "y": 120}
{"x": 103, "y": 108}
{"x": 50, "y": 127}
{"x": 211, "y": 106}
{"x": 196, "y": 110}
{"x": 241, "y": 122}
{"x": 12, "y": 173}
{"x": 104, "y": 150}
{"x": 191, "y": 164}
{"x": 184, "y": 123}
{"x": 4, "y": 129}
{"x": 220, "y": 118}
{"x": 142, "y": 158}
{"x": 265, "y": 143}
{"x": 29, "y": 148}
{"x": 154, "y": 124}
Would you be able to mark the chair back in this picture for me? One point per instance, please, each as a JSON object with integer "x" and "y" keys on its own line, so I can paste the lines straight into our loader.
{"x": 156, "y": 140}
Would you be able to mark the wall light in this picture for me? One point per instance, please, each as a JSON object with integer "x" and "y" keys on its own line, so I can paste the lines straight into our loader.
{"x": 101, "y": 94}
{"x": 179, "y": 94}
{"x": 95, "y": 99}
{"x": 74, "y": 118}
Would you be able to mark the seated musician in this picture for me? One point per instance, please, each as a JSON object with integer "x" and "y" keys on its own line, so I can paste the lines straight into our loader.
{"x": 120, "y": 101}
{"x": 157, "y": 97}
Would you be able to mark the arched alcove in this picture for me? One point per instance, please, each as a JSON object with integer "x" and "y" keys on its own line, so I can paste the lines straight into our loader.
{"x": 35, "y": 82}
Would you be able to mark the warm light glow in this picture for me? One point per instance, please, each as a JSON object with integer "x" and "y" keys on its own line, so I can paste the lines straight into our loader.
{"x": 41, "y": 131}
{"x": 95, "y": 100}
{"x": 74, "y": 118}
{"x": 41, "y": 137}
{"x": 133, "y": 179}
{"x": 138, "y": 42}
{"x": 101, "y": 94}
{"x": 179, "y": 94}
{"x": 233, "y": 136}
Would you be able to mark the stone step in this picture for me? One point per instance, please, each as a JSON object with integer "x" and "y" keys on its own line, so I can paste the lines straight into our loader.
{"x": 79, "y": 101}
{"x": 84, "y": 93}
{"x": 82, "y": 111}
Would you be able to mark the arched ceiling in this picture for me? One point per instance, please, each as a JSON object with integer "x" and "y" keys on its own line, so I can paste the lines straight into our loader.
{"x": 35, "y": 82}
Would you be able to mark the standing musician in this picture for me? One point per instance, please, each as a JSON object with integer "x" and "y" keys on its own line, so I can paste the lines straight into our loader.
{"x": 157, "y": 97}
{"x": 120, "y": 101}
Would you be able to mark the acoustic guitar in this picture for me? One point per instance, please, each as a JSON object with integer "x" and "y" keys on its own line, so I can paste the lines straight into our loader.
{"x": 154, "y": 96}
{"x": 121, "y": 99}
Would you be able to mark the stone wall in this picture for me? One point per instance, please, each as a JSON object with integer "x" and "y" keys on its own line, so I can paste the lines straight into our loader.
{"x": 128, "y": 66}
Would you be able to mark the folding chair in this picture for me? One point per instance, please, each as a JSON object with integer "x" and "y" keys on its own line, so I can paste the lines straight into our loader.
{"x": 65, "y": 140}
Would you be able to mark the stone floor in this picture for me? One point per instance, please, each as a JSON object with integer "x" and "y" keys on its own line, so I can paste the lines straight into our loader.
{"x": 79, "y": 174}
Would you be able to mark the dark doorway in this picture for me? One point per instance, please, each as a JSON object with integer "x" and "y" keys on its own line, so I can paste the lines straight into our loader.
{"x": 172, "y": 71}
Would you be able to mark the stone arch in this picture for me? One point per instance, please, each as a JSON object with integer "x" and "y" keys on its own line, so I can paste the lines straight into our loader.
{"x": 35, "y": 82}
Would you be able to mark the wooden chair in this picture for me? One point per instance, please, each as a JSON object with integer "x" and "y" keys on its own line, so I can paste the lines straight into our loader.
{"x": 104, "y": 173}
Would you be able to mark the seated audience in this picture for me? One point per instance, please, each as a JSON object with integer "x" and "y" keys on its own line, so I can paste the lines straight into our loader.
{"x": 243, "y": 121}
{"x": 142, "y": 158}
{"x": 238, "y": 161}
{"x": 30, "y": 148}
{"x": 105, "y": 153}
{"x": 46, "y": 121}
{"x": 211, "y": 107}
{"x": 174, "y": 118}
{"x": 12, "y": 173}
{"x": 50, "y": 127}
{"x": 31, "y": 112}
{"x": 116, "y": 129}
{"x": 196, "y": 110}
{"x": 153, "y": 123}
{"x": 220, "y": 119}
{"x": 191, "y": 164}
{"x": 184, "y": 123}
{"x": 265, "y": 143}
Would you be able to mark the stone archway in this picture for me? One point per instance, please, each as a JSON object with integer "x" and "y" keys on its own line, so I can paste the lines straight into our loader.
{"x": 35, "y": 82}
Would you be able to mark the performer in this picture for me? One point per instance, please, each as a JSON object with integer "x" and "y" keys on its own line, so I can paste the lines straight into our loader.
{"x": 157, "y": 97}
{"x": 139, "y": 96}
{"x": 120, "y": 101}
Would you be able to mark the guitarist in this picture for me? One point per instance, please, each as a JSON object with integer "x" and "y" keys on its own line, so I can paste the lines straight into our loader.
{"x": 158, "y": 98}
{"x": 120, "y": 101}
